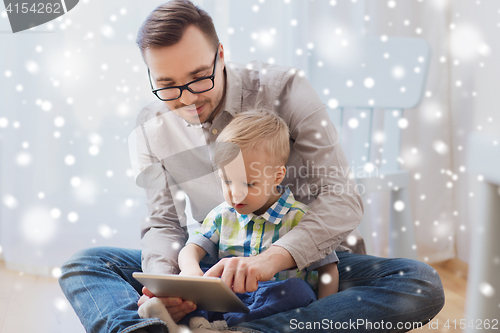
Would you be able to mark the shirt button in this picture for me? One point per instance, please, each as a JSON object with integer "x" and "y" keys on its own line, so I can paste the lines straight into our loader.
{"x": 257, "y": 227}
{"x": 254, "y": 252}
{"x": 214, "y": 131}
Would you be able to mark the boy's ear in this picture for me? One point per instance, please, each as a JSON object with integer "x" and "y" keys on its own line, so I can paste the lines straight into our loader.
{"x": 280, "y": 175}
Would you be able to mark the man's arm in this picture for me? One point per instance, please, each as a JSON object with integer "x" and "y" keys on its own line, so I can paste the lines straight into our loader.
{"x": 337, "y": 208}
{"x": 161, "y": 233}
{"x": 162, "y": 236}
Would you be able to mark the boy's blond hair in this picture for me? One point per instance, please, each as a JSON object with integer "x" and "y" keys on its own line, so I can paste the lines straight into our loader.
{"x": 255, "y": 129}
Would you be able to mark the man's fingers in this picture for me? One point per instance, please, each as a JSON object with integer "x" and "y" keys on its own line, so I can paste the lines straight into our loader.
{"x": 239, "y": 282}
{"x": 228, "y": 276}
{"x": 251, "y": 280}
{"x": 223, "y": 269}
{"x": 216, "y": 270}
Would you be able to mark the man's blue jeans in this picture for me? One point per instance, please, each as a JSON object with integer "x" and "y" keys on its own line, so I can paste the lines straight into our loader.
{"x": 375, "y": 295}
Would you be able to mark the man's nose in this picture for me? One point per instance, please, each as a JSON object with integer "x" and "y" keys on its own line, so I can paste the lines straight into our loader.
{"x": 188, "y": 97}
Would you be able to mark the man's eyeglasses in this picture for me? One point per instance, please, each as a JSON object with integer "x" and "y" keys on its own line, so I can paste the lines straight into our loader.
{"x": 196, "y": 87}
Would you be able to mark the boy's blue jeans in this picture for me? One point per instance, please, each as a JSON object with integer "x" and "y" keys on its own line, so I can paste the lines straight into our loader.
{"x": 375, "y": 295}
{"x": 270, "y": 298}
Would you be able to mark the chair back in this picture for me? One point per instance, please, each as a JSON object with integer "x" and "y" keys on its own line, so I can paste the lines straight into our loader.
{"x": 367, "y": 74}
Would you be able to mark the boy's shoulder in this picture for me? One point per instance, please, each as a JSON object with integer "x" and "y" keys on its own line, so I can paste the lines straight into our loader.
{"x": 224, "y": 210}
{"x": 298, "y": 206}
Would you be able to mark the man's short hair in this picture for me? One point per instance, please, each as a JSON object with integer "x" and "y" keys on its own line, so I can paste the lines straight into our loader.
{"x": 254, "y": 129}
{"x": 166, "y": 25}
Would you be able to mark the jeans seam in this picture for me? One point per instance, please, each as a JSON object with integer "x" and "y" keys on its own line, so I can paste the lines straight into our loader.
{"x": 93, "y": 300}
{"x": 243, "y": 329}
{"x": 144, "y": 324}
{"x": 119, "y": 266}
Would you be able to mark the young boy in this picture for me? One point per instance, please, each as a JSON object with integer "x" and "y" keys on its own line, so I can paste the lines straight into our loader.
{"x": 251, "y": 153}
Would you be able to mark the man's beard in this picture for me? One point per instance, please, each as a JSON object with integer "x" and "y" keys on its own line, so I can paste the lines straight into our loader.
{"x": 188, "y": 113}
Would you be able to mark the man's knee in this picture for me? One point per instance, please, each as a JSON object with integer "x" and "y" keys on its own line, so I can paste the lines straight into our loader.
{"x": 429, "y": 285}
{"x": 86, "y": 259}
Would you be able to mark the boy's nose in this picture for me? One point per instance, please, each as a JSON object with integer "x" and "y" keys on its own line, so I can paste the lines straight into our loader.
{"x": 238, "y": 194}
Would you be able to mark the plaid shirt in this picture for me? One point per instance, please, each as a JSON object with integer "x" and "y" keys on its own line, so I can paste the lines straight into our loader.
{"x": 228, "y": 233}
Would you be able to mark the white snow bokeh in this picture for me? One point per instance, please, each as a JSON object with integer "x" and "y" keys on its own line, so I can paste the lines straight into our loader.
{"x": 72, "y": 217}
{"x": 466, "y": 43}
{"x": 333, "y": 103}
{"x": 4, "y": 122}
{"x": 326, "y": 278}
{"x": 399, "y": 206}
{"x": 23, "y": 159}
{"x": 85, "y": 190}
{"x": 107, "y": 31}
{"x": 369, "y": 82}
{"x": 56, "y": 272}
{"x": 38, "y": 226}
{"x": 486, "y": 289}
{"x": 352, "y": 240}
{"x": 61, "y": 304}
{"x": 10, "y": 201}
{"x": 69, "y": 160}
{"x": 398, "y": 72}
{"x": 55, "y": 213}
{"x": 105, "y": 231}
{"x": 32, "y": 67}
{"x": 59, "y": 121}
{"x": 353, "y": 123}
{"x": 440, "y": 147}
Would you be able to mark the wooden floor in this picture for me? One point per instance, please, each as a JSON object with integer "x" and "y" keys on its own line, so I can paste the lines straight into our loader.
{"x": 453, "y": 276}
{"x": 31, "y": 304}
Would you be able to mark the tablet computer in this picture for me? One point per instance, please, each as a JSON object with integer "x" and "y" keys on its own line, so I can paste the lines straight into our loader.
{"x": 208, "y": 293}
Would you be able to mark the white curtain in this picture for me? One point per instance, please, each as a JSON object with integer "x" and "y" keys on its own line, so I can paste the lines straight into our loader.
{"x": 70, "y": 90}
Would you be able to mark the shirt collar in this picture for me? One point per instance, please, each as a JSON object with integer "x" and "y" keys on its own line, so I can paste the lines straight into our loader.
{"x": 234, "y": 91}
{"x": 275, "y": 213}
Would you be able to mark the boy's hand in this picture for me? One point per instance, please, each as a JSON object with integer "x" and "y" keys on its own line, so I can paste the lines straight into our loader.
{"x": 328, "y": 283}
{"x": 176, "y": 307}
{"x": 191, "y": 271}
{"x": 242, "y": 274}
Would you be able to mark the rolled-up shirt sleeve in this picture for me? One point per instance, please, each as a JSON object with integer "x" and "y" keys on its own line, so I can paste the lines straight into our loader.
{"x": 208, "y": 236}
{"x": 336, "y": 209}
{"x": 329, "y": 259}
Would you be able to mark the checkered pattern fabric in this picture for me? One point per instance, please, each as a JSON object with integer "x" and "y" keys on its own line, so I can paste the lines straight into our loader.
{"x": 239, "y": 235}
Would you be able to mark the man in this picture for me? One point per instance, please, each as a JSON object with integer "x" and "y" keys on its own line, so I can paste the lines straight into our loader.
{"x": 199, "y": 95}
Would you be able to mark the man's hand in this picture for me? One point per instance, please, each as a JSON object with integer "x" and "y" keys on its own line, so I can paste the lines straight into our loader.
{"x": 176, "y": 307}
{"x": 242, "y": 274}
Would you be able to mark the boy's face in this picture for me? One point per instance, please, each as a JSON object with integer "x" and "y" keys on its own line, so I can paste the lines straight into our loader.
{"x": 249, "y": 182}
{"x": 189, "y": 59}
